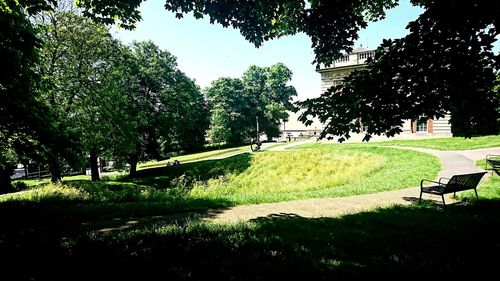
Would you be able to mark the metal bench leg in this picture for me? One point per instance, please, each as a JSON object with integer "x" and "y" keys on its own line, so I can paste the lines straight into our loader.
{"x": 420, "y": 199}
{"x": 477, "y": 197}
{"x": 442, "y": 196}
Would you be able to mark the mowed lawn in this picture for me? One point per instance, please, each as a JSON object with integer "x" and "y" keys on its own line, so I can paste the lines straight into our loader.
{"x": 403, "y": 242}
{"x": 319, "y": 171}
{"x": 415, "y": 241}
{"x": 314, "y": 172}
{"x": 455, "y": 143}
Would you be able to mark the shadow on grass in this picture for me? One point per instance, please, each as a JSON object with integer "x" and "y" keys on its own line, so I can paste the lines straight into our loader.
{"x": 409, "y": 242}
{"x": 194, "y": 159}
{"x": 115, "y": 204}
{"x": 183, "y": 174}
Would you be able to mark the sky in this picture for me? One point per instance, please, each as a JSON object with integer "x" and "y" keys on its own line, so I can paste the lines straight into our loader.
{"x": 207, "y": 51}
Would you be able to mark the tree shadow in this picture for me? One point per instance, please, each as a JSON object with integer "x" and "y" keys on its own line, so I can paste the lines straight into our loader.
{"x": 410, "y": 242}
{"x": 187, "y": 173}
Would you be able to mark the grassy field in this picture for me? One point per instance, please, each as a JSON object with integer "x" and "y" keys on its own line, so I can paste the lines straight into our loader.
{"x": 319, "y": 171}
{"x": 402, "y": 242}
{"x": 456, "y": 143}
{"x": 44, "y": 235}
{"x": 195, "y": 157}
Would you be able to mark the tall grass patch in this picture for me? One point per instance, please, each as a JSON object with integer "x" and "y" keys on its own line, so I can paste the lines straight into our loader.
{"x": 298, "y": 171}
{"x": 320, "y": 171}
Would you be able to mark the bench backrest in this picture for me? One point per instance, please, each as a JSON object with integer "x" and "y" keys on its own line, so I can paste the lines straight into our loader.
{"x": 463, "y": 182}
{"x": 494, "y": 162}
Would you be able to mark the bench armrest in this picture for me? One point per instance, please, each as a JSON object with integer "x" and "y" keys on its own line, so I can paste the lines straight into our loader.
{"x": 443, "y": 178}
{"x": 492, "y": 164}
{"x": 426, "y": 180}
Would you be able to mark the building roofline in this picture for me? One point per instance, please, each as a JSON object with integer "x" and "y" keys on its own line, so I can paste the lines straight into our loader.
{"x": 341, "y": 67}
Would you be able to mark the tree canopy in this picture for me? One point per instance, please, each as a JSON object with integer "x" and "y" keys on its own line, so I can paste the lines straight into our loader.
{"x": 262, "y": 93}
{"x": 73, "y": 91}
{"x": 444, "y": 65}
{"x": 332, "y": 25}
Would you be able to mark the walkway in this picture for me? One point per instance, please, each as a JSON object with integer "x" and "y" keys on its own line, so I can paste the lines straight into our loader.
{"x": 292, "y": 144}
{"x": 452, "y": 162}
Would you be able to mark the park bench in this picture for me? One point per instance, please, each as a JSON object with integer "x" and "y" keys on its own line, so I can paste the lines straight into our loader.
{"x": 455, "y": 184}
{"x": 493, "y": 161}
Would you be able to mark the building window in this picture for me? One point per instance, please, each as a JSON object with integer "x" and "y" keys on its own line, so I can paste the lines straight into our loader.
{"x": 422, "y": 124}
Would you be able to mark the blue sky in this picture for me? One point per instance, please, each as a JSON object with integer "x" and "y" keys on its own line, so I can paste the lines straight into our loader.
{"x": 206, "y": 52}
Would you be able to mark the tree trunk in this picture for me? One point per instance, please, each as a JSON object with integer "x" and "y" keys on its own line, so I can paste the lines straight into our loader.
{"x": 55, "y": 170}
{"x": 133, "y": 159}
{"x": 25, "y": 166}
{"x": 5, "y": 182}
{"x": 94, "y": 167}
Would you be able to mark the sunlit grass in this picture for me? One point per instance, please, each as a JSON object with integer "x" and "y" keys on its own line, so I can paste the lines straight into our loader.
{"x": 488, "y": 189}
{"x": 297, "y": 171}
{"x": 317, "y": 172}
{"x": 195, "y": 157}
{"x": 455, "y": 143}
{"x": 92, "y": 192}
{"x": 322, "y": 171}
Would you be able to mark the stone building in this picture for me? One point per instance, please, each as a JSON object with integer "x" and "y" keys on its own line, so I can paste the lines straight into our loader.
{"x": 335, "y": 74}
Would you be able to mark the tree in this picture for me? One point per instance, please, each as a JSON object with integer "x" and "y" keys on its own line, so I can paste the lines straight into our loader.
{"x": 333, "y": 27}
{"x": 445, "y": 64}
{"x": 270, "y": 96}
{"x": 185, "y": 109}
{"x": 24, "y": 117}
{"x": 164, "y": 110}
{"x": 262, "y": 92}
{"x": 80, "y": 83}
{"x": 230, "y": 111}
{"x": 76, "y": 60}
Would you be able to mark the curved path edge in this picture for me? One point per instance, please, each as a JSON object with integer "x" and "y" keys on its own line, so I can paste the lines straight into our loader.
{"x": 452, "y": 162}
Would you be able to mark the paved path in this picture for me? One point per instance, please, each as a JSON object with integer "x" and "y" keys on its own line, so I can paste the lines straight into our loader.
{"x": 292, "y": 144}
{"x": 267, "y": 146}
{"x": 452, "y": 162}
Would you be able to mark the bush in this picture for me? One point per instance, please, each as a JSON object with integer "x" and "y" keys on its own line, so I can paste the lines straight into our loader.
{"x": 19, "y": 186}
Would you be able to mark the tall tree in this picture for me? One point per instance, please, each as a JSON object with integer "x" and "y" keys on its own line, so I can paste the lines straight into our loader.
{"x": 333, "y": 27}
{"x": 24, "y": 117}
{"x": 445, "y": 64}
{"x": 231, "y": 119}
{"x": 165, "y": 109}
{"x": 185, "y": 114}
{"x": 270, "y": 95}
{"x": 75, "y": 63}
{"x": 262, "y": 94}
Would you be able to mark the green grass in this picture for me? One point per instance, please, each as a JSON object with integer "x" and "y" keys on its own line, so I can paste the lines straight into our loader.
{"x": 321, "y": 171}
{"x": 401, "y": 242}
{"x": 318, "y": 172}
{"x": 195, "y": 157}
{"x": 455, "y": 143}
{"x": 488, "y": 189}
